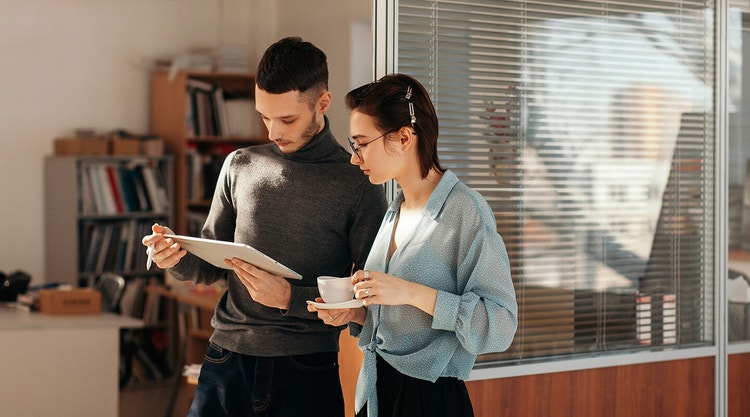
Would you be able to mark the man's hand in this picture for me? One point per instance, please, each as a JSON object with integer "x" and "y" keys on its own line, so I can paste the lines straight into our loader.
{"x": 167, "y": 252}
{"x": 265, "y": 288}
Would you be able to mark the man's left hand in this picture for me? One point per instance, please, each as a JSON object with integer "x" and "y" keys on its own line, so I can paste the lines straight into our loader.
{"x": 264, "y": 287}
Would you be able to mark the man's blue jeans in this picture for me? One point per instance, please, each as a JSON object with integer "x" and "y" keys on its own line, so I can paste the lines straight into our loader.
{"x": 236, "y": 385}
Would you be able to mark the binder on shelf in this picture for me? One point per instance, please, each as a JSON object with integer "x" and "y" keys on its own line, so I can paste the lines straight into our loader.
{"x": 98, "y": 193}
{"x": 87, "y": 198}
{"x": 90, "y": 251}
{"x": 221, "y": 112}
{"x": 128, "y": 185}
{"x": 155, "y": 189}
{"x": 114, "y": 186}
{"x": 101, "y": 250}
{"x": 105, "y": 189}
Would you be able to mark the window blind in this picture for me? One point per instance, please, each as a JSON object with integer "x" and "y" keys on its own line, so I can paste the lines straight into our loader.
{"x": 588, "y": 126}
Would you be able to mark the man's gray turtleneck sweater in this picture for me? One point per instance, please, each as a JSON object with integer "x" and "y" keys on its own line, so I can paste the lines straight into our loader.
{"x": 310, "y": 210}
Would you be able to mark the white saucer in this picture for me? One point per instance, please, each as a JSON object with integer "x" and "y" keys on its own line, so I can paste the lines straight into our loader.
{"x": 344, "y": 304}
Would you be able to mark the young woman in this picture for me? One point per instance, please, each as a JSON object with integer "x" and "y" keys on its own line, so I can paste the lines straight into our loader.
{"x": 436, "y": 286}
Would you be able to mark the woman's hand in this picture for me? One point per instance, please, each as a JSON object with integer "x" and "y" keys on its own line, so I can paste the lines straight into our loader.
{"x": 376, "y": 287}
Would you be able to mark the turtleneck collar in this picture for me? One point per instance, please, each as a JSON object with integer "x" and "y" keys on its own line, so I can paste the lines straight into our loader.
{"x": 319, "y": 147}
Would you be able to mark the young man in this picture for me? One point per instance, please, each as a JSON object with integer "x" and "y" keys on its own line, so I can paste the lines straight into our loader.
{"x": 299, "y": 201}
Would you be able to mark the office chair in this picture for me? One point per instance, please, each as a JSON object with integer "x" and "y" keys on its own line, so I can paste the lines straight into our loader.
{"x": 111, "y": 287}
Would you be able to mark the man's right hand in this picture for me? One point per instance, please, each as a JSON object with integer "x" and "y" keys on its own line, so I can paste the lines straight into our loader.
{"x": 167, "y": 253}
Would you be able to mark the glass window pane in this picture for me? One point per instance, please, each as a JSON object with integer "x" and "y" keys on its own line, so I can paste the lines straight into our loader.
{"x": 589, "y": 128}
{"x": 738, "y": 286}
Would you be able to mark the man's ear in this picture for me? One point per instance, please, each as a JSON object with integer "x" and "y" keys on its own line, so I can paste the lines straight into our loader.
{"x": 324, "y": 101}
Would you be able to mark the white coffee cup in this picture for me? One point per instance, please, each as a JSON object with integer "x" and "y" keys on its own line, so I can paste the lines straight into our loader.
{"x": 335, "y": 289}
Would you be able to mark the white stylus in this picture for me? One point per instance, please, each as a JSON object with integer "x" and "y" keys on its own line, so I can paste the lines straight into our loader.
{"x": 150, "y": 258}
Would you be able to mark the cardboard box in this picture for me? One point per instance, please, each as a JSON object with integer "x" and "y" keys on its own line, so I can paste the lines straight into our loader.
{"x": 74, "y": 301}
{"x": 71, "y": 146}
{"x": 81, "y": 146}
{"x": 126, "y": 146}
{"x": 152, "y": 147}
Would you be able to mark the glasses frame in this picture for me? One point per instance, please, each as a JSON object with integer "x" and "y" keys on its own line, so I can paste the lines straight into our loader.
{"x": 355, "y": 149}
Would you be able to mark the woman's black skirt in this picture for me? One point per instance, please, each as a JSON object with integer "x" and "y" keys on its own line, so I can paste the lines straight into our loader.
{"x": 403, "y": 396}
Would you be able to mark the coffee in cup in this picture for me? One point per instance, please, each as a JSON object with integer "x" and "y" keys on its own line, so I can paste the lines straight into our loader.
{"x": 335, "y": 289}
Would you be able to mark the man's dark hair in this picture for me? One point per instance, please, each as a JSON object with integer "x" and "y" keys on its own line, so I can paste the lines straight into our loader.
{"x": 292, "y": 64}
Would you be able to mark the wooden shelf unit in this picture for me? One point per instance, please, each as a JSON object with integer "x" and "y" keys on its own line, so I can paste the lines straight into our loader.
{"x": 170, "y": 113}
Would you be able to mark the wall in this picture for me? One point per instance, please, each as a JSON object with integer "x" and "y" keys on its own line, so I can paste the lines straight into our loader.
{"x": 329, "y": 29}
{"x": 82, "y": 63}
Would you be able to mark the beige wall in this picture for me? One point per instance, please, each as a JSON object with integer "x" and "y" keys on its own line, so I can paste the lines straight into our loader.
{"x": 80, "y": 63}
{"x": 328, "y": 28}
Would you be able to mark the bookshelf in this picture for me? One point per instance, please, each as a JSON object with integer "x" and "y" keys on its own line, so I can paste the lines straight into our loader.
{"x": 202, "y": 116}
{"x": 97, "y": 209}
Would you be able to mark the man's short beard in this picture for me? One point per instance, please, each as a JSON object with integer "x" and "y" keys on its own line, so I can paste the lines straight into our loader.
{"x": 312, "y": 128}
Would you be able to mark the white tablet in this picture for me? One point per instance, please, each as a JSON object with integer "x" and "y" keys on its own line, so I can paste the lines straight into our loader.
{"x": 215, "y": 251}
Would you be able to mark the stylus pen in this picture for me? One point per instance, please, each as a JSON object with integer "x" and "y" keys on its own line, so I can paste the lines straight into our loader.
{"x": 150, "y": 258}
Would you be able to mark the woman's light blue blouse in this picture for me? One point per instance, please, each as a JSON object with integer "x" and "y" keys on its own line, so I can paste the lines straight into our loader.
{"x": 455, "y": 248}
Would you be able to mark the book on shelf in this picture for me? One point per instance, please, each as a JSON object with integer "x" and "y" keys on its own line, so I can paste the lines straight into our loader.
{"x": 203, "y": 108}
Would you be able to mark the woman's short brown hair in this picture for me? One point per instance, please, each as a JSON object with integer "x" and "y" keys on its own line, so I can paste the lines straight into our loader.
{"x": 399, "y": 100}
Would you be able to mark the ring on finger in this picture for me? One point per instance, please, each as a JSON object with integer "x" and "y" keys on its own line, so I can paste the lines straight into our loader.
{"x": 366, "y": 274}
{"x": 367, "y": 292}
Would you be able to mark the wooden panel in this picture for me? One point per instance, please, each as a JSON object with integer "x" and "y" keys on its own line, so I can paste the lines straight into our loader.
{"x": 350, "y": 360}
{"x": 547, "y": 324}
{"x": 738, "y": 386}
{"x": 683, "y": 388}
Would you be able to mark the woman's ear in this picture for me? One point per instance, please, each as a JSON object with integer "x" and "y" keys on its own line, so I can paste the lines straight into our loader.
{"x": 407, "y": 136}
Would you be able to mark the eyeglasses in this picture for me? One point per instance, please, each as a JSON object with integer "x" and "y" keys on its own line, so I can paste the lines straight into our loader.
{"x": 356, "y": 149}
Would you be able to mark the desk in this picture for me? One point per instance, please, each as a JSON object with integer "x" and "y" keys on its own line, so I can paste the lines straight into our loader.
{"x": 59, "y": 365}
